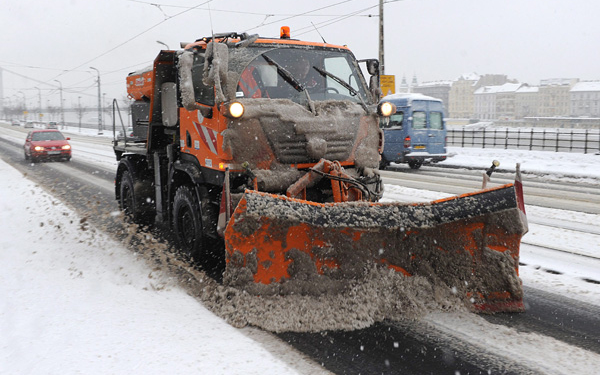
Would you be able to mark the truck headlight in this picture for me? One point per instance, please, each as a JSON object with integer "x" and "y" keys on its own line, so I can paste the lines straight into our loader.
{"x": 234, "y": 110}
{"x": 386, "y": 109}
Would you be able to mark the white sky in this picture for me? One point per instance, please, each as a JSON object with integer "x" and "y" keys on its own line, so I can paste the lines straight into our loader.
{"x": 434, "y": 39}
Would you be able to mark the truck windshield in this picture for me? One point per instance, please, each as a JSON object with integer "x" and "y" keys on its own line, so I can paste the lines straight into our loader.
{"x": 260, "y": 77}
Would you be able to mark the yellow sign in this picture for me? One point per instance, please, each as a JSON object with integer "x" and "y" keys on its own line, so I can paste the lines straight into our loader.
{"x": 388, "y": 84}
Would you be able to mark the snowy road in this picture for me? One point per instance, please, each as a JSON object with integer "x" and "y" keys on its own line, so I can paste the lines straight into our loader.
{"x": 458, "y": 342}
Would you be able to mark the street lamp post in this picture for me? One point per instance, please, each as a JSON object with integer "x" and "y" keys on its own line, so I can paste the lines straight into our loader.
{"x": 62, "y": 110}
{"x": 99, "y": 103}
{"x": 40, "y": 103}
{"x": 23, "y": 106}
{"x": 79, "y": 113}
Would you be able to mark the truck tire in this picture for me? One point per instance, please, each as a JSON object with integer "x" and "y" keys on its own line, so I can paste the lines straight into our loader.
{"x": 187, "y": 223}
{"x": 132, "y": 202}
{"x": 383, "y": 163}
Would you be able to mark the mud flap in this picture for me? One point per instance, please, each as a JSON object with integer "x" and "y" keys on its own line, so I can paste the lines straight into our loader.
{"x": 469, "y": 243}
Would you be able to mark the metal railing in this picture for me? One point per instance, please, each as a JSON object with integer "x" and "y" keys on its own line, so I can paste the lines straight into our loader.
{"x": 557, "y": 140}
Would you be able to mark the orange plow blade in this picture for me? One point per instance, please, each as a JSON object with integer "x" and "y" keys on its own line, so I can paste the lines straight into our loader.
{"x": 469, "y": 243}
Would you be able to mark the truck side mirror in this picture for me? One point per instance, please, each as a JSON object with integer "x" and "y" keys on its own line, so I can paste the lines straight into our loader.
{"x": 186, "y": 84}
{"x": 373, "y": 70}
{"x": 373, "y": 66}
{"x": 216, "y": 66}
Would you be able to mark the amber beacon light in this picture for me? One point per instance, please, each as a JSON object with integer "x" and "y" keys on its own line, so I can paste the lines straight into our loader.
{"x": 284, "y": 32}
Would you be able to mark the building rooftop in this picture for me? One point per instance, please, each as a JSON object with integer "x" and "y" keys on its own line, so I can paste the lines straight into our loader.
{"x": 527, "y": 89}
{"x": 507, "y": 87}
{"x": 558, "y": 81}
{"x": 586, "y": 86}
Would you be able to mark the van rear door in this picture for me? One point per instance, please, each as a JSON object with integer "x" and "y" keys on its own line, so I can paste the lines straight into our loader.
{"x": 436, "y": 131}
{"x": 418, "y": 131}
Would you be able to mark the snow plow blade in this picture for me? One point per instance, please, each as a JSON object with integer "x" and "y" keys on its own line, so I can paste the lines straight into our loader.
{"x": 470, "y": 243}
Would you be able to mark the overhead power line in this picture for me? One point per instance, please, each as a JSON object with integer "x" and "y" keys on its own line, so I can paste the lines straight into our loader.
{"x": 332, "y": 21}
{"x": 132, "y": 38}
{"x": 160, "y": 6}
{"x": 299, "y": 14}
{"x": 29, "y": 78}
{"x": 311, "y": 13}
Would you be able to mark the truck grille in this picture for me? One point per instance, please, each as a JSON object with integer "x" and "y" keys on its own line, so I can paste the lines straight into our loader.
{"x": 290, "y": 148}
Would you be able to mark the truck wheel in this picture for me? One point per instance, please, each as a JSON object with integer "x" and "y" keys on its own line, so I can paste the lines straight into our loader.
{"x": 131, "y": 201}
{"x": 415, "y": 164}
{"x": 187, "y": 224}
{"x": 383, "y": 164}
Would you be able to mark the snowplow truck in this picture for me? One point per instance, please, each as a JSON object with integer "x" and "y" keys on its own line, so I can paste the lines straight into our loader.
{"x": 260, "y": 157}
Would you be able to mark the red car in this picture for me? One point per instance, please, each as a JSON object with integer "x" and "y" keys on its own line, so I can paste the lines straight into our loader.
{"x": 46, "y": 144}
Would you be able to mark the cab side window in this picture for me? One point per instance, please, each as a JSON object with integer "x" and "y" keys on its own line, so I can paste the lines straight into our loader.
{"x": 394, "y": 121}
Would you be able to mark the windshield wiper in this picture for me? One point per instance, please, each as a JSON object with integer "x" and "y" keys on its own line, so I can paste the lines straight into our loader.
{"x": 289, "y": 78}
{"x": 347, "y": 86}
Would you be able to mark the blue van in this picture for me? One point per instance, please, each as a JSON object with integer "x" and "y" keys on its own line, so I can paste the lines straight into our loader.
{"x": 416, "y": 133}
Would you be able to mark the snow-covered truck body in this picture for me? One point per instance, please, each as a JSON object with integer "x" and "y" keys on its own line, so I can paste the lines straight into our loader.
{"x": 263, "y": 152}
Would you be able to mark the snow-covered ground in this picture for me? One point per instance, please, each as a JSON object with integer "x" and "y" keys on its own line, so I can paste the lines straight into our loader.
{"x": 72, "y": 300}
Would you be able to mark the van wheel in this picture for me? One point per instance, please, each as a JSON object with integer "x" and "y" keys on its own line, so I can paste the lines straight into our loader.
{"x": 415, "y": 164}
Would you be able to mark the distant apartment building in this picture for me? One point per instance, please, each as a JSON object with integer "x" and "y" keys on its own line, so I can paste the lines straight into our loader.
{"x": 438, "y": 90}
{"x": 461, "y": 100}
{"x": 555, "y": 97}
{"x": 460, "y": 97}
{"x": 495, "y": 97}
{"x": 484, "y": 101}
{"x": 495, "y": 102}
{"x": 505, "y": 100}
{"x": 585, "y": 99}
{"x": 527, "y": 101}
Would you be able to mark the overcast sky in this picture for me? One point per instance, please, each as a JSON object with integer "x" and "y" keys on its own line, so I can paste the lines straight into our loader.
{"x": 527, "y": 40}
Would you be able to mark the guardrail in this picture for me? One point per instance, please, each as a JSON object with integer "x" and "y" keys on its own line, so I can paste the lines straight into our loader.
{"x": 557, "y": 140}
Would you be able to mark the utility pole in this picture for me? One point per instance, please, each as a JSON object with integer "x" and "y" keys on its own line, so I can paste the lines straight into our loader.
{"x": 381, "y": 55}
{"x": 99, "y": 103}
{"x": 62, "y": 110}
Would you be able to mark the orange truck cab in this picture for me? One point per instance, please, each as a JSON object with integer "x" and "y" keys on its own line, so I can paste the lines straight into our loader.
{"x": 233, "y": 112}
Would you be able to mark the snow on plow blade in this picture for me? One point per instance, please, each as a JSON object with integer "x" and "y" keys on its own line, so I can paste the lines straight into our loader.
{"x": 470, "y": 243}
